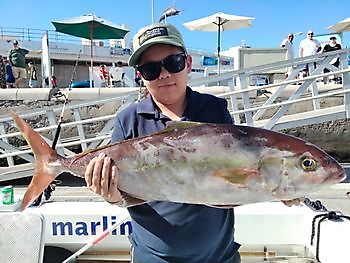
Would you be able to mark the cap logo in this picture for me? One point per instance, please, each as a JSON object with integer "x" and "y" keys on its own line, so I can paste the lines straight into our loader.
{"x": 151, "y": 33}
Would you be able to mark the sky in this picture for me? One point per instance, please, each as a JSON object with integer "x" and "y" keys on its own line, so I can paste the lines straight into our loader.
{"x": 274, "y": 19}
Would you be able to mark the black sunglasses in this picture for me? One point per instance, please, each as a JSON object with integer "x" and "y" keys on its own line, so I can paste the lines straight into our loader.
{"x": 172, "y": 63}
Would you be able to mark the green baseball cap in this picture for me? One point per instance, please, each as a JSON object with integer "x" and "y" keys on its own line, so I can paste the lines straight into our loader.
{"x": 155, "y": 34}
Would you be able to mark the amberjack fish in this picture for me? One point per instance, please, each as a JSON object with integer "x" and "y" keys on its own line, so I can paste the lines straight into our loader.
{"x": 217, "y": 165}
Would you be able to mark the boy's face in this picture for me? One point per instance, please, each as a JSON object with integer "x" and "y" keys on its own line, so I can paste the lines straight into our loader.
{"x": 168, "y": 88}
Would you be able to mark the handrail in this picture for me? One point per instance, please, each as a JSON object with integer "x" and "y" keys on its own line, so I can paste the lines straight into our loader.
{"x": 271, "y": 66}
{"x": 289, "y": 102}
{"x": 285, "y": 82}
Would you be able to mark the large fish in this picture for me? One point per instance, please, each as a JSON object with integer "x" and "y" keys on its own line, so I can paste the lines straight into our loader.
{"x": 212, "y": 164}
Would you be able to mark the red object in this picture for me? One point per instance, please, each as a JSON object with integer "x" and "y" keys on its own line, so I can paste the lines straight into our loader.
{"x": 54, "y": 81}
{"x": 103, "y": 73}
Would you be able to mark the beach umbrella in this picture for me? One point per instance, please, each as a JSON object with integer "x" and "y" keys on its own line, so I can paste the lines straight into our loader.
{"x": 90, "y": 27}
{"x": 341, "y": 26}
{"x": 219, "y": 22}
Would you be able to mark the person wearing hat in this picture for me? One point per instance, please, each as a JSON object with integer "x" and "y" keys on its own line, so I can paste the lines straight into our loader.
{"x": 18, "y": 61}
{"x": 332, "y": 46}
{"x": 309, "y": 47}
{"x": 166, "y": 231}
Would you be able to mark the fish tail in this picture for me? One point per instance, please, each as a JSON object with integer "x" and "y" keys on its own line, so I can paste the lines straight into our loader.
{"x": 44, "y": 154}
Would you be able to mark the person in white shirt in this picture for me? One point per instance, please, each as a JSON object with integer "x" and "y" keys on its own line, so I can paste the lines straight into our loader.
{"x": 288, "y": 44}
{"x": 309, "y": 47}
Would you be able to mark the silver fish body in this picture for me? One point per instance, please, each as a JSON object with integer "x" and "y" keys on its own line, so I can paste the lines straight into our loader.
{"x": 198, "y": 163}
{"x": 218, "y": 164}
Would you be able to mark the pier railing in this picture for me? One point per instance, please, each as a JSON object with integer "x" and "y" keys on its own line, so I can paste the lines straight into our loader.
{"x": 80, "y": 131}
{"x": 269, "y": 106}
{"x": 32, "y": 34}
{"x": 88, "y": 118}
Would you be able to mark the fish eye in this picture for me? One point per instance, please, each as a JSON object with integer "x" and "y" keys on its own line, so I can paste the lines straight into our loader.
{"x": 308, "y": 164}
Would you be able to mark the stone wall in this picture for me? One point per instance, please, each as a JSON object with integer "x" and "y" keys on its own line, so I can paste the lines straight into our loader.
{"x": 332, "y": 136}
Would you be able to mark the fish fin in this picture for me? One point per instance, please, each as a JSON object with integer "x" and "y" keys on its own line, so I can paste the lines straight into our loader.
{"x": 43, "y": 154}
{"x": 237, "y": 176}
{"x": 129, "y": 200}
{"x": 223, "y": 206}
{"x": 294, "y": 201}
{"x": 178, "y": 125}
{"x": 39, "y": 183}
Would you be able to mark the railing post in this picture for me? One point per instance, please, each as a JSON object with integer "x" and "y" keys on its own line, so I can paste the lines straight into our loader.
{"x": 80, "y": 128}
{"x": 314, "y": 88}
{"x": 346, "y": 82}
{"x": 243, "y": 84}
{"x": 234, "y": 103}
{"x": 9, "y": 159}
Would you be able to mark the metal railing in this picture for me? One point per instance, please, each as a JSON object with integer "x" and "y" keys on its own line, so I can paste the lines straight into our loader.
{"x": 247, "y": 109}
{"x": 77, "y": 133}
{"x": 30, "y": 34}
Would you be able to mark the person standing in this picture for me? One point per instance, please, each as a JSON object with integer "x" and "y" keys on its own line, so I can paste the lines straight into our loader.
{"x": 104, "y": 76}
{"x": 167, "y": 231}
{"x": 309, "y": 47}
{"x": 332, "y": 46}
{"x": 288, "y": 44}
{"x": 2, "y": 73}
{"x": 54, "y": 82}
{"x": 33, "y": 77}
{"x": 10, "y": 79}
{"x": 18, "y": 62}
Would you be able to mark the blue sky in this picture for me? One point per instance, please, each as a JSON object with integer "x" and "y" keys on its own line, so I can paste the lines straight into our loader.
{"x": 273, "y": 18}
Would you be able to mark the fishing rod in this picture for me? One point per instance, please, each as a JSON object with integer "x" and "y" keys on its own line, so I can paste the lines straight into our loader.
{"x": 58, "y": 130}
{"x": 94, "y": 241}
{"x": 52, "y": 186}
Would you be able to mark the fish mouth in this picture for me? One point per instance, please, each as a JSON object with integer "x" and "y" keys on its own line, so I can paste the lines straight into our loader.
{"x": 342, "y": 177}
{"x": 337, "y": 175}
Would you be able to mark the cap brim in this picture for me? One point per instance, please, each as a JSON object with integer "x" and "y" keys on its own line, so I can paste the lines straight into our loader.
{"x": 135, "y": 56}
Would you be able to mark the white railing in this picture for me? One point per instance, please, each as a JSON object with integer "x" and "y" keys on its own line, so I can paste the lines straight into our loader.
{"x": 243, "y": 98}
{"x": 77, "y": 132}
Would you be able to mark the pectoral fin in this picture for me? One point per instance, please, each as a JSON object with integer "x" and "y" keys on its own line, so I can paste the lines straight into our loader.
{"x": 130, "y": 200}
{"x": 223, "y": 206}
{"x": 237, "y": 176}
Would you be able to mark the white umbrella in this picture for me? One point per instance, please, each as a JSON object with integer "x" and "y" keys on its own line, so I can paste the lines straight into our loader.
{"x": 341, "y": 26}
{"x": 219, "y": 22}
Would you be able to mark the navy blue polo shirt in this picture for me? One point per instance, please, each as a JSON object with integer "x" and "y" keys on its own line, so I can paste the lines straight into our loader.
{"x": 175, "y": 232}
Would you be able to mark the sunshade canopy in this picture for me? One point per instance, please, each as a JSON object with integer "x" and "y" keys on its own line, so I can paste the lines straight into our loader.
{"x": 219, "y": 20}
{"x": 90, "y": 27}
{"x": 341, "y": 26}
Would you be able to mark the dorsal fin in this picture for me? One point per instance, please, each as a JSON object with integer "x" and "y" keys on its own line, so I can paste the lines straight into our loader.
{"x": 178, "y": 125}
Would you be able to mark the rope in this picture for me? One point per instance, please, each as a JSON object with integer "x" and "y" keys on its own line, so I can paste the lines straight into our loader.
{"x": 316, "y": 206}
{"x": 332, "y": 216}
